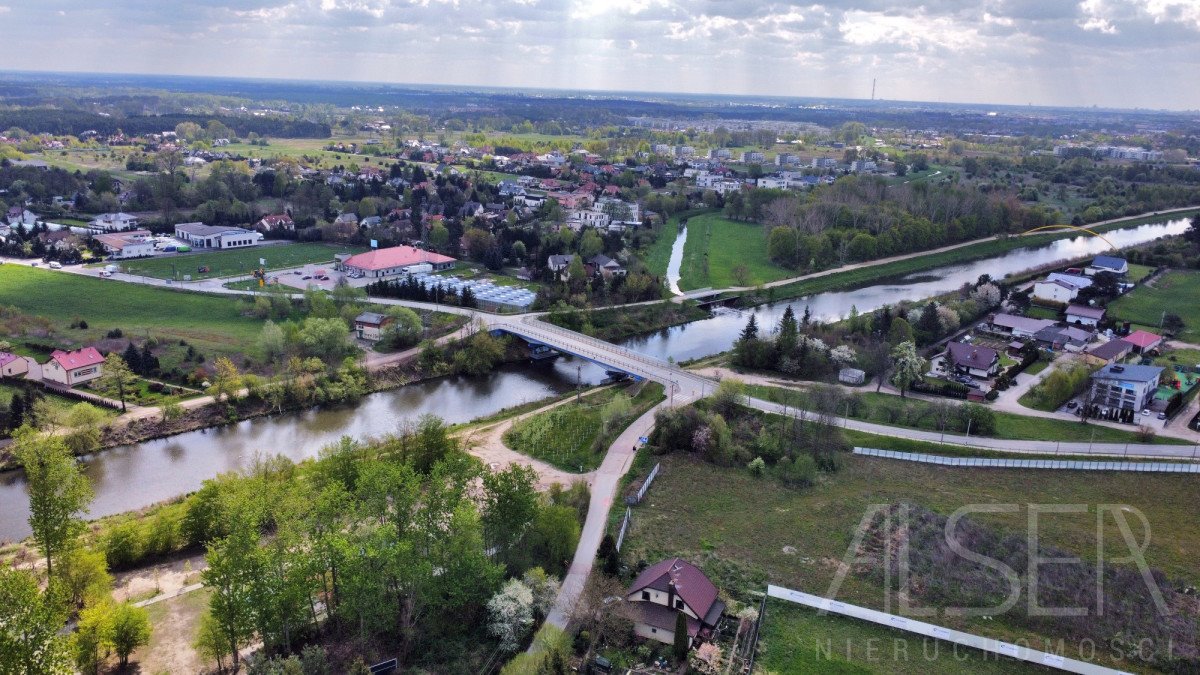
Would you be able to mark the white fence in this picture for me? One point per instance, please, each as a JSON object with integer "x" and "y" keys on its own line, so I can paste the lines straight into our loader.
{"x": 645, "y": 486}
{"x": 929, "y": 630}
{"x": 624, "y": 528}
{"x": 1062, "y": 464}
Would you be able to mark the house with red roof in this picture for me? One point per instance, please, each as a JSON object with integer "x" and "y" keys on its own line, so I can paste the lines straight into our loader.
{"x": 1143, "y": 340}
{"x": 12, "y": 365}
{"x": 73, "y": 368}
{"x": 667, "y": 589}
{"x": 386, "y": 262}
{"x": 276, "y": 221}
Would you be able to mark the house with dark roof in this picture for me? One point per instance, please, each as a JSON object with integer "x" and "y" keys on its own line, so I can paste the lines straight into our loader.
{"x": 1125, "y": 387}
{"x": 1110, "y": 351}
{"x": 604, "y": 266}
{"x": 1107, "y": 263}
{"x": 973, "y": 360}
{"x": 1085, "y": 315}
{"x": 1069, "y": 338}
{"x": 667, "y": 589}
{"x": 370, "y": 325}
{"x": 559, "y": 263}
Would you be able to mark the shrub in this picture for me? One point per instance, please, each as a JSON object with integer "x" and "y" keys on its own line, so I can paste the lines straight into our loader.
{"x": 123, "y": 545}
{"x": 757, "y": 467}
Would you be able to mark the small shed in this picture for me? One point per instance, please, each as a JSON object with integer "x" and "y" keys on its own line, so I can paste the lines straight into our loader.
{"x": 851, "y": 376}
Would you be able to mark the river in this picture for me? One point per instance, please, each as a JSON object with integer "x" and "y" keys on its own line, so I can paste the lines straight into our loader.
{"x": 131, "y": 477}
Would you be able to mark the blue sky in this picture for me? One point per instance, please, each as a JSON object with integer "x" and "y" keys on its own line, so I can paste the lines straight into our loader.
{"x": 1122, "y": 53}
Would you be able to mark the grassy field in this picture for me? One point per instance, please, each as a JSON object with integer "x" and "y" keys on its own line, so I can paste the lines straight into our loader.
{"x": 1138, "y": 272}
{"x": 717, "y": 247}
{"x": 658, "y": 255}
{"x": 59, "y": 404}
{"x": 737, "y": 527}
{"x": 574, "y": 436}
{"x": 1175, "y": 292}
{"x": 208, "y": 321}
{"x": 234, "y": 262}
{"x": 876, "y": 406}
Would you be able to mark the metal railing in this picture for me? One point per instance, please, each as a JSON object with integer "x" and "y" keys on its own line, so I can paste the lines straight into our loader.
{"x": 1058, "y": 464}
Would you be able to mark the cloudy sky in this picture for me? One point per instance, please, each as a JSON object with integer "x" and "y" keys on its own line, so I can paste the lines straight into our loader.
{"x": 1123, "y": 53}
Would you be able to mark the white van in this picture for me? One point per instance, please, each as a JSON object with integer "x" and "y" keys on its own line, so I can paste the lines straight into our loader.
{"x": 56, "y": 265}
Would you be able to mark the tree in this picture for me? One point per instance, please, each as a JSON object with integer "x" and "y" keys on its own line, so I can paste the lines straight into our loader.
{"x": 909, "y": 366}
{"x": 270, "y": 340}
{"x": 900, "y": 331}
{"x": 227, "y": 381}
{"x": 510, "y": 615}
{"x": 750, "y": 332}
{"x": 231, "y": 572}
{"x": 171, "y": 410}
{"x": 789, "y": 333}
{"x": 210, "y": 643}
{"x": 326, "y": 339}
{"x": 610, "y": 557}
{"x": 404, "y": 330}
{"x": 510, "y": 503}
{"x": 439, "y": 236}
{"x": 84, "y": 420}
{"x": 1172, "y": 323}
{"x": 117, "y": 376}
{"x": 83, "y": 576}
{"x": 59, "y": 493}
{"x": 680, "y": 647}
{"x": 590, "y": 244}
{"x": 30, "y": 621}
{"x": 130, "y": 630}
{"x": 93, "y": 637}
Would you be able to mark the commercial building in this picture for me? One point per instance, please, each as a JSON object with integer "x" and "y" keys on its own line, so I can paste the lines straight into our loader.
{"x": 200, "y": 235}
{"x": 387, "y": 262}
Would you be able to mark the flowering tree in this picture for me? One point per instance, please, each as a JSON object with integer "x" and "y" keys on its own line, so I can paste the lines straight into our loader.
{"x": 511, "y": 614}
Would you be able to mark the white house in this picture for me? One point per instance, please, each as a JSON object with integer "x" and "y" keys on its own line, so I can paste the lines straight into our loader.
{"x": 12, "y": 365}
{"x": 1107, "y": 263}
{"x": 114, "y": 222}
{"x": 73, "y": 368}
{"x": 1125, "y": 387}
{"x": 370, "y": 325}
{"x": 1055, "y": 291}
{"x": 667, "y": 589}
{"x": 1085, "y": 315}
{"x": 200, "y": 235}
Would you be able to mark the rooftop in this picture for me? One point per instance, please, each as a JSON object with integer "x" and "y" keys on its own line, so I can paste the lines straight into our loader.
{"x": 1129, "y": 373}
{"x": 396, "y": 256}
{"x": 88, "y": 356}
{"x": 689, "y": 582}
{"x": 1142, "y": 339}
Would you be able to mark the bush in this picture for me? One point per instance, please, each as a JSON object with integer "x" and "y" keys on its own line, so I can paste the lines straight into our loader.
{"x": 123, "y": 545}
{"x": 800, "y": 471}
{"x": 757, "y": 467}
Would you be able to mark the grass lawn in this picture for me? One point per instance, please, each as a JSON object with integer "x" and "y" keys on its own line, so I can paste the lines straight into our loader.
{"x": 798, "y": 639}
{"x": 573, "y": 436}
{"x": 658, "y": 255}
{"x": 208, "y": 321}
{"x": 235, "y": 262}
{"x": 875, "y": 408}
{"x": 1037, "y": 367}
{"x": 1037, "y": 312}
{"x": 1174, "y": 292}
{"x": 59, "y": 404}
{"x": 1137, "y": 272}
{"x": 736, "y": 527}
{"x": 717, "y": 248}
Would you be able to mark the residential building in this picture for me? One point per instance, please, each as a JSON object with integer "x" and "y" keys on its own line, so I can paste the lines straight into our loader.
{"x": 386, "y": 262}
{"x": 605, "y": 266}
{"x": 1077, "y": 280}
{"x": 666, "y": 589}
{"x": 59, "y": 240}
{"x": 786, "y": 159}
{"x": 114, "y": 222}
{"x": 972, "y": 360}
{"x": 73, "y": 368}
{"x": 824, "y": 163}
{"x": 559, "y": 263}
{"x": 18, "y": 215}
{"x": 752, "y": 156}
{"x": 276, "y": 221}
{"x": 199, "y": 235}
{"x": 1017, "y": 326}
{"x": 132, "y": 244}
{"x": 1054, "y": 290}
{"x": 1085, "y": 315}
{"x": 772, "y": 182}
{"x": 720, "y": 153}
{"x": 860, "y": 165}
{"x": 1110, "y": 351}
{"x": 1107, "y": 263}
{"x": 1066, "y": 338}
{"x": 370, "y": 325}
{"x": 1125, "y": 387}
{"x": 1143, "y": 341}
{"x": 12, "y": 365}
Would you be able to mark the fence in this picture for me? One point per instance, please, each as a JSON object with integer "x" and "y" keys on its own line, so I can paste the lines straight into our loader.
{"x": 624, "y": 528}
{"x": 635, "y": 500}
{"x": 1061, "y": 464}
{"x": 990, "y": 645}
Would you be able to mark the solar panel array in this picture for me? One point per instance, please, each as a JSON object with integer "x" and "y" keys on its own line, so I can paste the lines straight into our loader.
{"x": 484, "y": 291}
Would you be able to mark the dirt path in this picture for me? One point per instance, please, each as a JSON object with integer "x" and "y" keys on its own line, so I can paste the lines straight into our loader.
{"x": 161, "y": 579}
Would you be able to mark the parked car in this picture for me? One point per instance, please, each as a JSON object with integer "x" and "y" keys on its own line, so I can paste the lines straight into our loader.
{"x": 1071, "y": 405}
{"x": 56, "y": 265}
{"x": 1162, "y": 415}
{"x": 298, "y": 272}
{"x": 105, "y": 274}
{"x": 306, "y": 277}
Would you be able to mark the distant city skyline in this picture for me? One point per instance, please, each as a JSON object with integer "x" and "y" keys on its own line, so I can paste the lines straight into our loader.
{"x": 1108, "y": 53}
